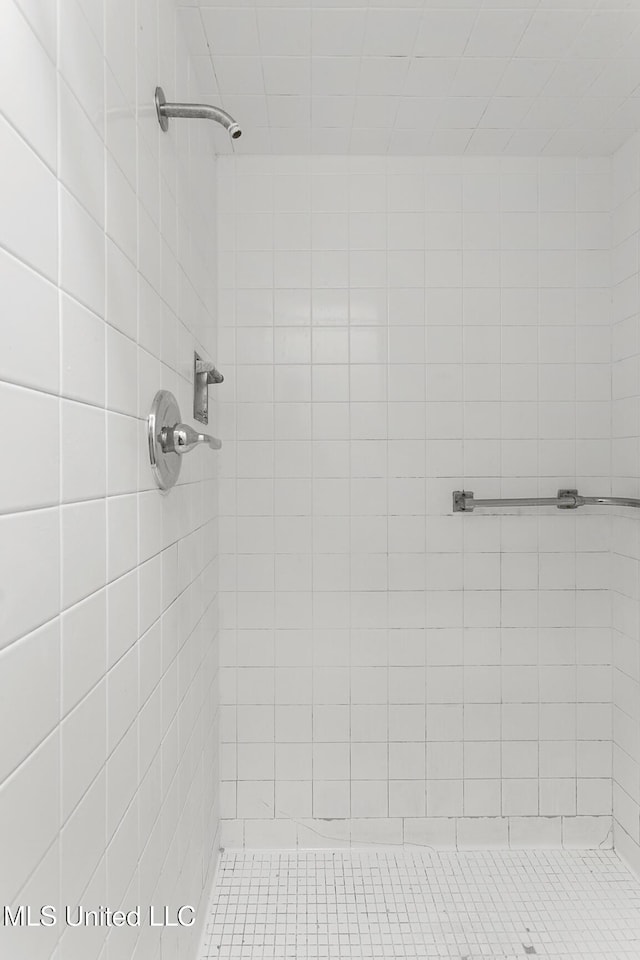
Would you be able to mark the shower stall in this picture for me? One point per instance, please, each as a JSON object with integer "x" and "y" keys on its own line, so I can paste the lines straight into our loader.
{"x": 319, "y": 534}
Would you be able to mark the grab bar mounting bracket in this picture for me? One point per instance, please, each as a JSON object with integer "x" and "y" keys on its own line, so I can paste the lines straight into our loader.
{"x": 460, "y": 498}
{"x": 565, "y": 492}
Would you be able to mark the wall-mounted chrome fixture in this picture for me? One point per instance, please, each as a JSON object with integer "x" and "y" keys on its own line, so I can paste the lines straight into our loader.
{"x": 204, "y": 373}
{"x": 194, "y": 110}
{"x": 169, "y": 439}
{"x": 465, "y": 502}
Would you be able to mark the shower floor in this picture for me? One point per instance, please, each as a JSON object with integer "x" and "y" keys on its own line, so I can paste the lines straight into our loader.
{"x": 342, "y": 905}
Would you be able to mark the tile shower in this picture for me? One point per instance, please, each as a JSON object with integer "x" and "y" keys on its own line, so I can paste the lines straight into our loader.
{"x": 406, "y": 674}
{"x": 298, "y": 691}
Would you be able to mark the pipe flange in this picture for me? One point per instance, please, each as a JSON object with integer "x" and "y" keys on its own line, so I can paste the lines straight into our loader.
{"x": 160, "y": 101}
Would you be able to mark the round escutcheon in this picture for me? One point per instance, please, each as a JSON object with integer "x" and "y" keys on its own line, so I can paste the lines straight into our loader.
{"x": 165, "y": 413}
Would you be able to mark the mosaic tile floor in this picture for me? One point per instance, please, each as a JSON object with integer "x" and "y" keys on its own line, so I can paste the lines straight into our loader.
{"x": 342, "y": 905}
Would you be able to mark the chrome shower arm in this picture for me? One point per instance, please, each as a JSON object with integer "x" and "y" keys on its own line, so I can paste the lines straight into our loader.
{"x": 202, "y": 110}
{"x": 192, "y": 111}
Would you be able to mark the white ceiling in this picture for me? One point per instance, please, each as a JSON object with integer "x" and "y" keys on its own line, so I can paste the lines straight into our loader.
{"x": 421, "y": 76}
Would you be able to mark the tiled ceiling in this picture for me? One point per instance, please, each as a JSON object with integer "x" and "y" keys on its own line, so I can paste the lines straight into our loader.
{"x": 421, "y": 77}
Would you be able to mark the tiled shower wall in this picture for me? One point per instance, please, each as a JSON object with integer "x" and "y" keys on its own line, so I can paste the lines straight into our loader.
{"x": 108, "y": 657}
{"x": 626, "y": 471}
{"x": 392, "y": 330}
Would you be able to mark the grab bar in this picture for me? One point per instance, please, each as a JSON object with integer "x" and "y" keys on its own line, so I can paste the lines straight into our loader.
{"x": 465, "y": 502}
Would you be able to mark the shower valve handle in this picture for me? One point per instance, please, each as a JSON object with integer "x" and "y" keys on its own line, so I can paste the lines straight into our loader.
{"x": 182, "y": 438}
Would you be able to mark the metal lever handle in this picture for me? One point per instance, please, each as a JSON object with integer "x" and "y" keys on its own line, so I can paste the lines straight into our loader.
{"x": 182, "y": 438}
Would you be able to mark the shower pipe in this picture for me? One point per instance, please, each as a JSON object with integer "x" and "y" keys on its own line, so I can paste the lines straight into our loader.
{"x": 194, "y": 110}
{"x": 465, "y": 502}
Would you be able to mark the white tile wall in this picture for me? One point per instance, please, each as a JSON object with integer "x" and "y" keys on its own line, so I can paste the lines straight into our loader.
{"x": 416, "y": 77}
{"x": 401, "y": 329}
{"x": 626, "y": 463}
{"x": 108, "y": 648}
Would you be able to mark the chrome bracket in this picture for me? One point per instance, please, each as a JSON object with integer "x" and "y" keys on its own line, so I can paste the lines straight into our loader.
{"x": 204, "y": 373}
{"x": 568, "y": 493}
{"x": 460, "y": 498}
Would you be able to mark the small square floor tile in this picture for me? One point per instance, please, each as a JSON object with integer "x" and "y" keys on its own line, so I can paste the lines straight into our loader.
{"x": 374, "y": 905}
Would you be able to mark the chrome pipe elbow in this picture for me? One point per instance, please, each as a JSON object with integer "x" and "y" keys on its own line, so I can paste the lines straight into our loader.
{"x": 203, "y": 111}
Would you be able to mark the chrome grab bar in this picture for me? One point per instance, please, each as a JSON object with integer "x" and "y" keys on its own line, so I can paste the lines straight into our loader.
{"x": 182, "y": 438}
{"x": 465, "y": 502}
